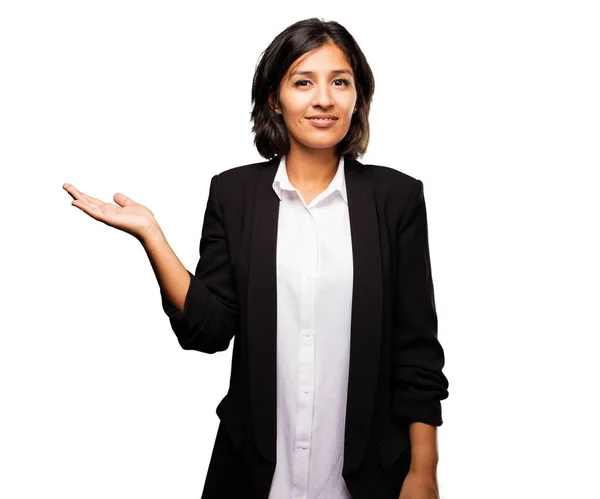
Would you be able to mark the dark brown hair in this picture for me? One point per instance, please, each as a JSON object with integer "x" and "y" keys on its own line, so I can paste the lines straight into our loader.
{"x": 270, "y": 132}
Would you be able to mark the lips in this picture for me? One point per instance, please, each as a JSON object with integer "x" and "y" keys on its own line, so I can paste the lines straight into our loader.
{"x": 322, "y": 122}
{"x": 322, "y": 117}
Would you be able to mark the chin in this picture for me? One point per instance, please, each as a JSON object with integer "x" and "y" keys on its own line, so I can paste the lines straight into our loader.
{"x": 322, "y": 144}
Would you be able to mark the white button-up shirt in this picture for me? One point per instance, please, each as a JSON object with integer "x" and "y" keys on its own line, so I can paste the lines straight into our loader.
{"x": 314, "y": 300}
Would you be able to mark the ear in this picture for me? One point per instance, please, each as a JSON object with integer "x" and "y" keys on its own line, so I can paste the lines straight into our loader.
{"x": 274, "y": 105}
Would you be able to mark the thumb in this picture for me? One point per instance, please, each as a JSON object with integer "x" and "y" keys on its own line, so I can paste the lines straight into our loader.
{"x": 122, "y": 199}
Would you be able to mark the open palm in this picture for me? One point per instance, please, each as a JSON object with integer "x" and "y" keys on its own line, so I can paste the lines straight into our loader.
{"x": 126, "y": 215}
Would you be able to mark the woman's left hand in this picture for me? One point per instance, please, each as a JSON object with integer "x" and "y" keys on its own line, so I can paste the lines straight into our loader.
{"x": 419, "y": 486}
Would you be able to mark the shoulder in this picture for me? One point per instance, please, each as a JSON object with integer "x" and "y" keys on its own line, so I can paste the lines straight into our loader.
{"x": 234, "y": 186}
{"x": 240, "y": 178}
{"x": 241, "y": 172}
{"x": 383, "y": 173}
{"x": 392, "y": 184}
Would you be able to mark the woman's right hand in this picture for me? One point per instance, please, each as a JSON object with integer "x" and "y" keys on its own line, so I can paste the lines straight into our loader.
{"x": 126, "y": 215}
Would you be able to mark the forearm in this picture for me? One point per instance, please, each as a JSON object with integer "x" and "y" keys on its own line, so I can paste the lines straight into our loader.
{"x": 424, "y": 452}
{"x": 173, "y": 278}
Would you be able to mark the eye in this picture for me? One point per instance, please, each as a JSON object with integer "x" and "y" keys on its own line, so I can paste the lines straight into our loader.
{"x": 344, "y": 81}
{"x": 301, "y": 83}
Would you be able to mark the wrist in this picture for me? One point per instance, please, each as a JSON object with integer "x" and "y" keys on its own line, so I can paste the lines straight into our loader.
{"x": 426, "y": 472}
{"x": 152, "y": 236}
{"x": 424, "y": 463}
{"x": 424, "y": 452}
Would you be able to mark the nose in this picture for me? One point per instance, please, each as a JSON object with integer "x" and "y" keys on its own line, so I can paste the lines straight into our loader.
{"x": 322, "y": 97}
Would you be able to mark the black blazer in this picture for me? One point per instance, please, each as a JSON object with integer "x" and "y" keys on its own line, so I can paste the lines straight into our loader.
{"x": 396, "y": 360}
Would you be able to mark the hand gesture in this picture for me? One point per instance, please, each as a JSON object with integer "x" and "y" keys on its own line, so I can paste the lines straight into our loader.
{"x": 126, "y": 215}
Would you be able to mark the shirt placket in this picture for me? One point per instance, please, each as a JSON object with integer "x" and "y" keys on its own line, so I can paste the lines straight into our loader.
{"x": 306, "y": 361}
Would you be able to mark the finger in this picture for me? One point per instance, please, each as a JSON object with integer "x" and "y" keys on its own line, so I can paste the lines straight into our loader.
{"x": 89, "y": 202}
{"x": 76, "y": 194}
{"x": 71, "y": 190}
{"x": 88, "y": 208}
{"x": 122, "y": 199}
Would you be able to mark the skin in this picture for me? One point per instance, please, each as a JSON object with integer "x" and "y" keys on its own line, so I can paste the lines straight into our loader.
{"x": 421, "y": 479}
{"x": 311, "y": 165}
{"x": 312, "y": 159}
{"x": 138, "y": 220}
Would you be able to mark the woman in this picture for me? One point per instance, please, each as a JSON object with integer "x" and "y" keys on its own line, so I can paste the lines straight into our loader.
{"x": 318, "y": 267}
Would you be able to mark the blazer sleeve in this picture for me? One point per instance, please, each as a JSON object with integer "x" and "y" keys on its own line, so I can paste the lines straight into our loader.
{"x": 419, "y": 384}
{"x": 210, "y": 316}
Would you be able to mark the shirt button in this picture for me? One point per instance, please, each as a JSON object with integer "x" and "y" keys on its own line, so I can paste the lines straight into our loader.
{"x": 307, "y": 333}
{"x": 306, "y": 391}
{"x": 309, "y": 278}
{"x": 304, "y": 446}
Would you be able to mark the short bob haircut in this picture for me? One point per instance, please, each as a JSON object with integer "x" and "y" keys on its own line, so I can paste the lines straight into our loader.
{"x": 271, "y": 137}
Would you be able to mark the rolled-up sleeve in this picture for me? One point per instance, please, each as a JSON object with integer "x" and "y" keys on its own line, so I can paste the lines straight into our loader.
{"x": 418, "y": 383}
{"x": 210, "y": 317}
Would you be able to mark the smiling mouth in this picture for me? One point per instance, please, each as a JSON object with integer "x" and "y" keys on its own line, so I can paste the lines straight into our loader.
{"x": 322, "y": 122}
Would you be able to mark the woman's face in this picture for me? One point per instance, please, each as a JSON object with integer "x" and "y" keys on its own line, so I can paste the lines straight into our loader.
{"x": 320, "y": 82}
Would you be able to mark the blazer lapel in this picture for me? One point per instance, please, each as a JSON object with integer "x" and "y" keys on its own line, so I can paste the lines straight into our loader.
{"x": 262, "y": 312}
{"x": 367, "y": 309}
{"x": 366, "y": 313}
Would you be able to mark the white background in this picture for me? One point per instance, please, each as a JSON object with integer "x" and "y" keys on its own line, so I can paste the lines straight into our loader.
{"x": 494, "y": 105}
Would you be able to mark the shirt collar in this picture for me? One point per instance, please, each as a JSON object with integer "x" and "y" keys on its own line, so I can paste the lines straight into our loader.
{"x": 282, "y": 181}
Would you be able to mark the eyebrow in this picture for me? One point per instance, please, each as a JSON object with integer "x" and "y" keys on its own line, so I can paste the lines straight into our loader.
{"x": 335, "y": 71}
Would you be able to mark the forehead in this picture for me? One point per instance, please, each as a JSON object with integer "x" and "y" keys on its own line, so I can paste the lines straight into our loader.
{"x": 326, "y": 57}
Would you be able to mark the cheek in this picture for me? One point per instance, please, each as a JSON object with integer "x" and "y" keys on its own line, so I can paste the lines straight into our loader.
{"x": 292, "y": 121}
{"x": 295, "y": 119}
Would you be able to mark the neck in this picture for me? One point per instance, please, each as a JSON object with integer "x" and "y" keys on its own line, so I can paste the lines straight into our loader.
{"x": 311, "y": 167}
